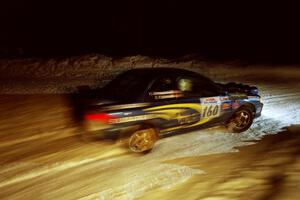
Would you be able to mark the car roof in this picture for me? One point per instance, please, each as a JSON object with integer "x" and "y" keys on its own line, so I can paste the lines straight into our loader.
{"x": 159, "y": 71}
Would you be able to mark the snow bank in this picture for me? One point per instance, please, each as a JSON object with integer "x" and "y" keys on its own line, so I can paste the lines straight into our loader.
{"x": 32, "y": 76}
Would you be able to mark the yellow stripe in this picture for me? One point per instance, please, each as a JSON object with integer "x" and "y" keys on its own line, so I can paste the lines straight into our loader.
{"x": 167, "y": 114}
{"x": 173, "y": 110}
{"x": 195, "y": 106}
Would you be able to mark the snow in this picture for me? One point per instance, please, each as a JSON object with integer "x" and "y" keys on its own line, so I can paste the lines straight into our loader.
{"x": 131, "y": 176}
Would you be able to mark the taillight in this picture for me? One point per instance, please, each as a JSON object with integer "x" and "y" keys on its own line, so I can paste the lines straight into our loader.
{"x": 101, "y": 117}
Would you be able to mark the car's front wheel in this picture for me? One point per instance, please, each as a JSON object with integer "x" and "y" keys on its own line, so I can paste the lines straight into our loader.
{"x": 143, "y": 140}
{"x": 241, "y": 120}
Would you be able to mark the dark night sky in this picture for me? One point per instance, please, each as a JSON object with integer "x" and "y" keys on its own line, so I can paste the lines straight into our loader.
{"x": 164, "y": 28}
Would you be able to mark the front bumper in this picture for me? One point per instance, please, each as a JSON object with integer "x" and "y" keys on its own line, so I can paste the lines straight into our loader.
{"x": 258, "y": 110}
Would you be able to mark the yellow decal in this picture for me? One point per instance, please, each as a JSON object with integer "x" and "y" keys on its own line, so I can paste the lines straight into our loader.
{"x": 177, "y": 108}
{"x": 195, "y": 106}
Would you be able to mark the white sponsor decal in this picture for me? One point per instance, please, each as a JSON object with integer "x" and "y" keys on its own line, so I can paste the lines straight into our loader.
{"x": 210, "y": 107}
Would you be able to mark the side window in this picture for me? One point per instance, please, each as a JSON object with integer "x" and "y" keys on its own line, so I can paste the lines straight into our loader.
{"x": 163, "y": 84}
{"x": 196, "y": 87}
{"x": 164, "y": 88}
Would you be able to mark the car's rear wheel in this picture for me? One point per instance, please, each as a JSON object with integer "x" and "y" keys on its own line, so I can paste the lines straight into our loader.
{"x": 241, "y": 120}
{"x": 143, "y": 140}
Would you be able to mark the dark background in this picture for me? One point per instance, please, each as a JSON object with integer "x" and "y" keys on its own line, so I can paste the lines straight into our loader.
{"x": 212, "y": 29}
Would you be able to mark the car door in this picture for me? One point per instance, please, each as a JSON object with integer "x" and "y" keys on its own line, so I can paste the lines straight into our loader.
{"x": 164, "y": 97}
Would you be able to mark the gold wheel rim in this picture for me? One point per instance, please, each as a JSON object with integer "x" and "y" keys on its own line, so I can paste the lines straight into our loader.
{"x": 142, "y": 140}
{"x": 242, "y": 119}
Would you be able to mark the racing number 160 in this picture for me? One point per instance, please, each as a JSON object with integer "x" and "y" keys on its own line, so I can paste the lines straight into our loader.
{"x": 210, "y": 111}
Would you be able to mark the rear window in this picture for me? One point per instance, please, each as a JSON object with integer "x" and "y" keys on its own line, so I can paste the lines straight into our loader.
{"x": 127, "y": 86}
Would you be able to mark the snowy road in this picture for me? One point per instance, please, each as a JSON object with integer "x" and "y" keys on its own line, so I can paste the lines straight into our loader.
{"x": 43, "y": 155}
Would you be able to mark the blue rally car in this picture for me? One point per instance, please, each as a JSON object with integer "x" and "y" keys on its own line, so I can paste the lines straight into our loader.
{"x": 144, "y": 105}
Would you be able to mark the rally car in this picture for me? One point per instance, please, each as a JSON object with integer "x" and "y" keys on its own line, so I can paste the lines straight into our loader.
{"x": 151, "y": 103}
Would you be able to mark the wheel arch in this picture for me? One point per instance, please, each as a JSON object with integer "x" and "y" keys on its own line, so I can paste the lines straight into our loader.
{"x": 249, "y": 106}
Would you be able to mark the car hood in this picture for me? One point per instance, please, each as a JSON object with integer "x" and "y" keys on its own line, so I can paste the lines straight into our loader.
{"x": 233, "y": 87}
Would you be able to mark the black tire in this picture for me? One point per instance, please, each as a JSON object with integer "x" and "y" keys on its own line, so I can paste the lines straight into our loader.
{"x": 241, "y": 120}
{"x": 143, "y": 140}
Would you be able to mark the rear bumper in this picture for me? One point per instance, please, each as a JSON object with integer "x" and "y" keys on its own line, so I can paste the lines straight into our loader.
{"x": 95, "y": 126}
{"x": 100, "y": 130}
